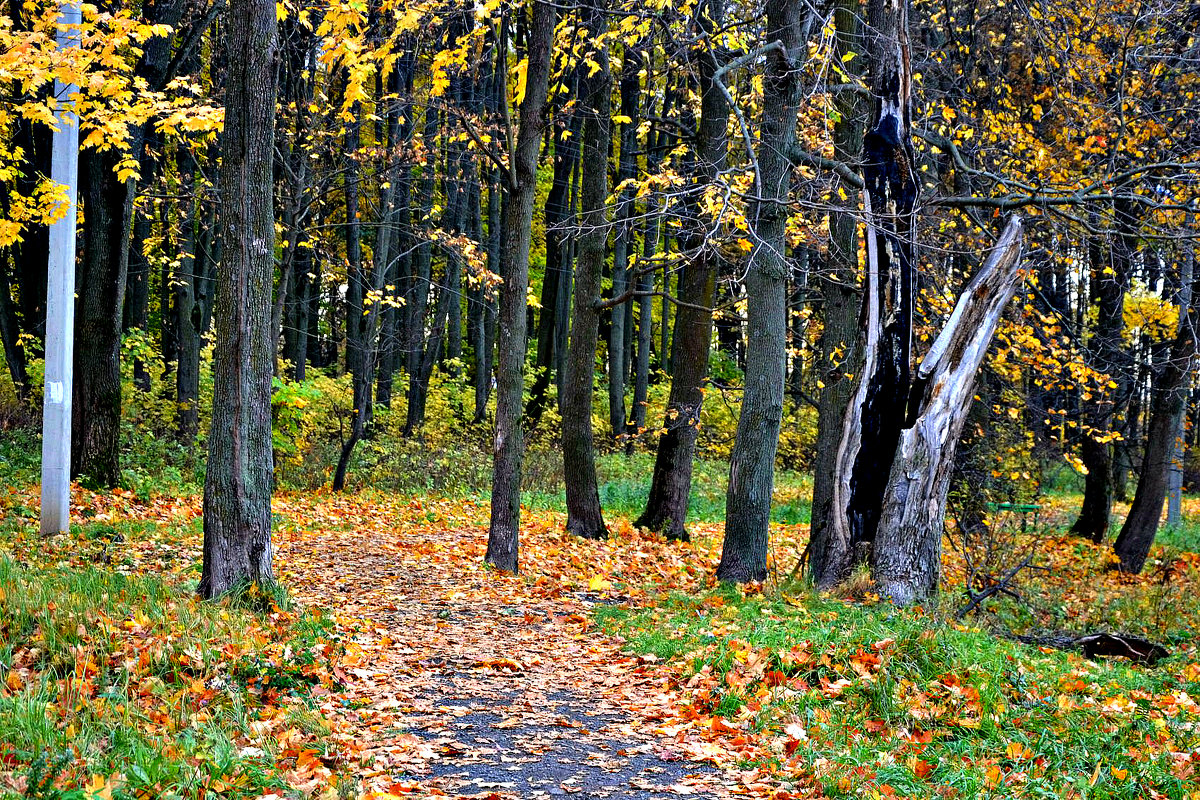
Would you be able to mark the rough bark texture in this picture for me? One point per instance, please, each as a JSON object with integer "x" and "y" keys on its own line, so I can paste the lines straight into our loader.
{"x": 671, "y": 483}
{"x": 508, "y": 447}
{"x": 752, "y": 464}
{"x": 96, "y": 408}
{"x": 839, "y": 309}
{"x": 906, "y": 557}
{"x": 584, "y": 517}
{"x": 1170, "y": 395}
{"x": 876, "y": 414}
{"x": 1108, "y": 282}
{"x": 187, "y": 309}
{"x": 237, "y": 485}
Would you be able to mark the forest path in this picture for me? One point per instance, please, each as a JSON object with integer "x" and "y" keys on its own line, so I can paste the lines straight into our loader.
{"x": 465, "y": 682}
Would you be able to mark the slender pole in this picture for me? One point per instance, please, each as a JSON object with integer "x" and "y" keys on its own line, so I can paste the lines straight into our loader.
{"x": 60, "y": 303}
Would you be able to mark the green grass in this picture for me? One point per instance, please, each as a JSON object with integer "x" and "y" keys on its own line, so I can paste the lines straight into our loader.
{"x": 770, "y": 662}
{"x": 111, "y": 674}
{"x": 625, "y": 485}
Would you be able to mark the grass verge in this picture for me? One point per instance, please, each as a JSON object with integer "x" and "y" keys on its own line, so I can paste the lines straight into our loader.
{"x": 868, "y": 700}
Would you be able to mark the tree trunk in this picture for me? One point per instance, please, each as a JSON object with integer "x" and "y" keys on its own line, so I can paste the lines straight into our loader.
{"x": 670, "y": 485}
{"x": 1108, "y": 282}
{"x": 906, "y": 557}
{"x": 96, "y": 409}
{"x": 14, "y": 353}
{"x": 187, "y": 310}
{"x": 508, "y": 447}
{"x": 556, "y": 275}
{"x": 752, "y": 464}
{"x": 136, "y": 312}
{"x": 839, "y": 311}
{"x": 584, "y": 517}
{"x": 876, "y": 415}
{"x": 237, "y": 485}
{"x": 618, "y": 367}
{"x": 1166, "y": 418}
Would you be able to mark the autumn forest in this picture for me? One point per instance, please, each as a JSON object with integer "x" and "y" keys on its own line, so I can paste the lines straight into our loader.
{"x": 767, "y": 399}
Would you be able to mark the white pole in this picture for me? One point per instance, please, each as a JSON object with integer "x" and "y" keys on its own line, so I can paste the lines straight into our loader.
{"x": 60, "y": 304}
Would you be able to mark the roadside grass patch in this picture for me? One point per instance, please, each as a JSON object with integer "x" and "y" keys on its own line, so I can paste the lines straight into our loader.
{"x": 869, "y": 700}
{"x": 118, "y": 684}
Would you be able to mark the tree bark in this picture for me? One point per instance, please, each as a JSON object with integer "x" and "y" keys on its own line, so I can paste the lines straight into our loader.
{"x": 96, "y": 409}
{"x": 508, "y": 447}
{"x": 1166, "y": 417}
{"x": 839, "y": 311}
{"x": 906, "y": 557}
{"x": 752, "y": 464}
{"x": 237, "y": 485}
{"x": 876, "y": 415}
{"x": 671, "y": 482}
{"x": 1108, "y": 283}
{"x": 584, "y": 516}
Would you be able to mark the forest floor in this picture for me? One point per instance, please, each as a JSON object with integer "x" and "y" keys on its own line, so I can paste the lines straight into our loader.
{"x": 398, "y": 665}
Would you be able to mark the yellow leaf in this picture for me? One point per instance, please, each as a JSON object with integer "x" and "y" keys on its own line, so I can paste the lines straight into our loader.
{"x": 599, "y": 584}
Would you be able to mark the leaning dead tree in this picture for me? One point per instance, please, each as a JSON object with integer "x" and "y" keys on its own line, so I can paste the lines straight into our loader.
{"x": 906, "y": 557}
{"x": 892, "y": 469}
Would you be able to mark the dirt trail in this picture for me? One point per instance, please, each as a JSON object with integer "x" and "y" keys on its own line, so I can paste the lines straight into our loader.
{"x": 466, "y": 683}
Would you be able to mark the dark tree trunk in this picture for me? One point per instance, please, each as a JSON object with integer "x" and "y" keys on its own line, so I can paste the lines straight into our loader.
{"x": 108, "y": 213}
{"x": 14, "y": 353}
{"x": 555, "y": 278}
{"x": 670, "y": 486}
{"x": 752, "y": 464}
{"x": 187, "y": 310}
{"x": 422, "y": 278}
{"x": 877, "y": 413}
{"x": 1108, "y": 282}
{"x": 618, "y": 367}
{"x": 96, "y": 411}
{"x": 508, "y": 447}
{"x": 485, "y": 357}
{"x": 1166, "y": 417}
{"x": 584, "y": 517}
{"x": 371, "y": 284}
{"x": 839, "y": 311}
{"x": 237, "y": 485}
{"x": 137, "y": 293}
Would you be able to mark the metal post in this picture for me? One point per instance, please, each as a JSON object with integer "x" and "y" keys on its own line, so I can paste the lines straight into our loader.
{"x": 60, "y": 304}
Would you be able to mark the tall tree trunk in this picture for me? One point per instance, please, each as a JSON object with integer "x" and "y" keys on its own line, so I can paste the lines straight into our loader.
{"x": 555, "y": 277}
{"x": 670, "y": 485}
{"x": 96, "y": 409}
{"x": 371, "y": 284}
{"x": 1166, "y": 417}
{"x": 1108, "y": 283}
{"x": 752, "y": 464}
{"x": 187, "y": 329}
{"x": 584, "y": 517}
{"x": 136, "y": 312}
{"x": 508, "y": 447}
{"x": 618, "y": 367}
{"x": 839, "y": 309}
{"x": 422, "y": 279}
{"x": 237, "y": 485}
{"x": 877, "y": 412}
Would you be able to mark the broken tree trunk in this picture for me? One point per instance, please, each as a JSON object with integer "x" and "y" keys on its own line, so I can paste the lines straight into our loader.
{"x": 906, "y": 557}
